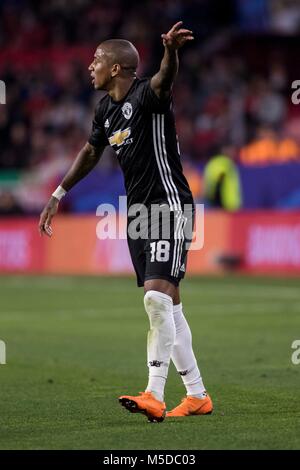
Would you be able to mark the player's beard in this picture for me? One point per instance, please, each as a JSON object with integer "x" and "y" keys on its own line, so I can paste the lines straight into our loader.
{"x": 102, "y": 83}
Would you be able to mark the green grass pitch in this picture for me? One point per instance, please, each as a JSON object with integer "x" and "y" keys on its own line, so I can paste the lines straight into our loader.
{"x": 75, "y": 344}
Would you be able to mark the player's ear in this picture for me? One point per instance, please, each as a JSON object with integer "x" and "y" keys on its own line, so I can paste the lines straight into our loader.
{"x": 115, "y": 70}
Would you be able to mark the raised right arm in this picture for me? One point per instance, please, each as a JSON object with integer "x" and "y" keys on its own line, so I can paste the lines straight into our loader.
{"x": 85, "y": 161}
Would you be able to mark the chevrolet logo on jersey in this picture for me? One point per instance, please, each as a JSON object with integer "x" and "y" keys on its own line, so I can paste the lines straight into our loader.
{"x": 120, "y": 137}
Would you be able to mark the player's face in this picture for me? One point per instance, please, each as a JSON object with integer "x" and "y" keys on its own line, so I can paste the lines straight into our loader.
{"x": 100, "y": 71}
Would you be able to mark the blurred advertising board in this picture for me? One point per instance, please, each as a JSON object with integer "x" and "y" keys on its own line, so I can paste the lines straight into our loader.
{"x": 21, "y": 247}
{"x": 268, "y": 242}
{"x": 261, "y": 242}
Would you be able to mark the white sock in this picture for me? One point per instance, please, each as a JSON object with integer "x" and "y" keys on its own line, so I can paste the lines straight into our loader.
{"x": 161, "y": 336}
{"x": 183, "y": 356}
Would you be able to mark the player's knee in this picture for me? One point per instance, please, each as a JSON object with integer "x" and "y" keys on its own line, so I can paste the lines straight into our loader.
{"x": 155, "y": 300}
{"x": 159, "y": 306}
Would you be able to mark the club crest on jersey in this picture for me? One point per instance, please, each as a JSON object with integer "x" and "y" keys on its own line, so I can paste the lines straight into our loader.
{"x": 120, "y": 137}
{"x": 127, "y": 110}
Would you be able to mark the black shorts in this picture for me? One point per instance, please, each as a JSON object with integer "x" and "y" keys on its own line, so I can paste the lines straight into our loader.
{"x": 159, "y": 244}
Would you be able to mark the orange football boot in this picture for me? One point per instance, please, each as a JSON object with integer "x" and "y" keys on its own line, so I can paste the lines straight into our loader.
{"x": 147, "y": 404}
{"x": 190, "y": 406}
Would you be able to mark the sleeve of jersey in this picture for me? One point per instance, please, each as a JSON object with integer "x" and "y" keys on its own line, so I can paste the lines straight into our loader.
{"x": 98, "y": 137}
{"x": 150, "y": 100}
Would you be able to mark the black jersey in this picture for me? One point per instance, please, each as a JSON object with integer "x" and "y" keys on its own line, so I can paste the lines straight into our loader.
{"x": 141, "y": 129}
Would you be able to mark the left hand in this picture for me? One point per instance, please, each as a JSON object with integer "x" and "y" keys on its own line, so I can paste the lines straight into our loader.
{"x": 47, "y": 215}
{"x": 177, "y": 37}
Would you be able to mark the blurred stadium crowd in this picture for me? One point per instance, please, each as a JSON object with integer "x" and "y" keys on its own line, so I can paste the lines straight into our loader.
{"x": 232, "y": 96}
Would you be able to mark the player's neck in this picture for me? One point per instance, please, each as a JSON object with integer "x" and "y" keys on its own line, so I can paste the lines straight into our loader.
{"x": 121, "y": 88}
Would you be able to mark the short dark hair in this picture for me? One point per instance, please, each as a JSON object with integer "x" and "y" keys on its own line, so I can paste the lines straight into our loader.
{"x": 122, "y": 52}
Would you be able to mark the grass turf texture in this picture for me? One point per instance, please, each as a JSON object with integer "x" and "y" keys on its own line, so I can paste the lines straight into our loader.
{"x": 75, "y": 344}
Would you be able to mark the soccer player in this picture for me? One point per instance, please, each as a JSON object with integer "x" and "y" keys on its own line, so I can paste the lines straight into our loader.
{"x": 136, "y": 118}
